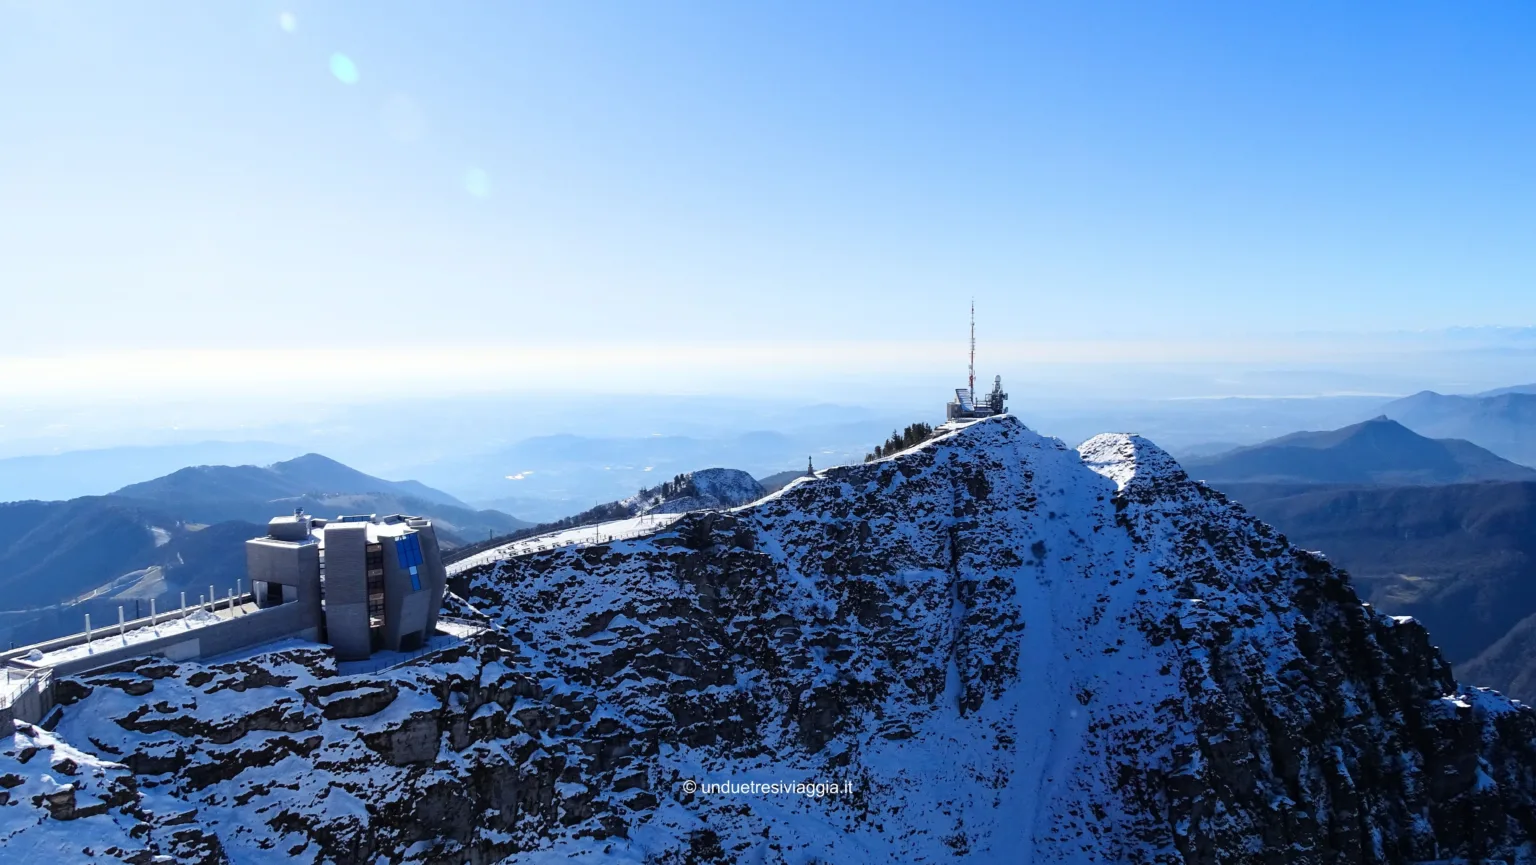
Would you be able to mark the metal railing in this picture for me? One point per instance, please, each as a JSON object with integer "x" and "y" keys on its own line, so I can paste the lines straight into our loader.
{"x": 398, "y": 659}
{"x": 232, "y": 602}
{"x": 18, "y": 683}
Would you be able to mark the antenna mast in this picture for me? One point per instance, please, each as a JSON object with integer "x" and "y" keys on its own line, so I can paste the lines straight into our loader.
{"x": 973, "y": 349}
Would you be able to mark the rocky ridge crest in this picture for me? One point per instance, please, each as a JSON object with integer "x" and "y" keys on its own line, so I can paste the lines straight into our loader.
{"x": 1006, "y": 650}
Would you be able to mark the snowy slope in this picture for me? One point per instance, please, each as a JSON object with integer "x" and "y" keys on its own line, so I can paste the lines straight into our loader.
{"x": 702, "y": 489}
{"x": 640, "y": 514}
{"x": 61, "y": 804}
{"x": 1001, "y": 649}
{"x": 1019, "y": 653}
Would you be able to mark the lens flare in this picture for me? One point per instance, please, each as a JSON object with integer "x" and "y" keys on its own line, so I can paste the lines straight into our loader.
{"x": 477, "y": 183}
{"x": 288, "y": 22}
{"x": 343, "y": 68}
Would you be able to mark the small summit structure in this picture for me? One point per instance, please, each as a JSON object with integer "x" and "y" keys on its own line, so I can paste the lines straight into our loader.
{"x": 965, "y": 405}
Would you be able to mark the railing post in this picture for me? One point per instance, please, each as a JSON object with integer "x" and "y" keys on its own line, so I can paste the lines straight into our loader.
{"x": 213, "y": 600}
{"x": 201, "y": 600}
{"x": 87, "y": 629}
{"x": 119, "y": 620}
{"x": 182, "y": 609}
{"x": 231, "y": 602}
{"x": 152, "y": 621}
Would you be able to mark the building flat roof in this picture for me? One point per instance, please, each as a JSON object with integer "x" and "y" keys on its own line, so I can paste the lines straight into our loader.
{"x": 374, "y": 531}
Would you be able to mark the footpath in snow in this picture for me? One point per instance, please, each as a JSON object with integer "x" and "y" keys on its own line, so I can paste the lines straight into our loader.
{"x": 601, "y": 533}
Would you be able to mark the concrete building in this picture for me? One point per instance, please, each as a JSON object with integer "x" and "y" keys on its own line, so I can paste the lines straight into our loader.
{"x": 362, "y": 584}
{"x": 367, "y": 582}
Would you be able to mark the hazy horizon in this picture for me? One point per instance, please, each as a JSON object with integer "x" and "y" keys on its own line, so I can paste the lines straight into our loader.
{"x": 300, "y": 223}
{"x": 583, "y": 196}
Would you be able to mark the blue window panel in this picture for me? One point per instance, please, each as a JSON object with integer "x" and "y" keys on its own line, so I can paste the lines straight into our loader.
{"x": 415, "y": 581}
{"x": 404, "y": 552}
{"x": 408, "y": 551}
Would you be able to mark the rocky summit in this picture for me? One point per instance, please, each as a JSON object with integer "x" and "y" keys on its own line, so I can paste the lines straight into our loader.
{"x": 693, "y": 491}
{"x": 987, "y": 648}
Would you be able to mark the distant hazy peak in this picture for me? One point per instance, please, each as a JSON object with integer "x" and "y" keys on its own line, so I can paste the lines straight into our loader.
{"x": 1523, "y": 389}
{"x": 1377, "y": 451}
{"x": 311, "y": 473}
{"x": 308, "y": 461}
{"x": 1503, "y": 420}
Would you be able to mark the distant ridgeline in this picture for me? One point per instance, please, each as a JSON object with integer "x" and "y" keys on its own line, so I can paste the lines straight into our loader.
{"x": 603, "y": 513}
{"x": 690, "y": 490}
{"x": 914, "y": 434}
{"x": 681, "y": 488}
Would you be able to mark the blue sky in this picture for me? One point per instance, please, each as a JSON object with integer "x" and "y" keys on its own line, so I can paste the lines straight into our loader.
{"x": 588, "y": 179}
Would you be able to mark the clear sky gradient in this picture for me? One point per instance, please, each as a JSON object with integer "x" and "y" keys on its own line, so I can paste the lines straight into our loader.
{"x": 381, "y": 176}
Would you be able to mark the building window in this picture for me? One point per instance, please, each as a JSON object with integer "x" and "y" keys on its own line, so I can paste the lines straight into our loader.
{"x": 374, "y": 562}
{"x": 408, "y": 553}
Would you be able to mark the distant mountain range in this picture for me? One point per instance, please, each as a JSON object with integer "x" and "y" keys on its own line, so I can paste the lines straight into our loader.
{"x": 1460, "y": 557}
{"x": 54, "y": 477}
{"x": 185, "y": 531}
{"x": 211, "y": 494}
{"x": 1378, "y": 451}
{"x": 53, "y": 551}
{"x": 1519, "y": 388}
{"x": 1439, "y": 529}
{"x": 310, "y": 473}
{"x": 549, "y": 477}
{"x": 778, "y": 480}
{"x": 1503, "y": 421}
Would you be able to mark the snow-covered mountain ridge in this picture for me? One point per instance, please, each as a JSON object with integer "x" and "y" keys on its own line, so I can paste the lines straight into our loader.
{"x": 1009, "y": 650}
{"x": 697, "y": 490}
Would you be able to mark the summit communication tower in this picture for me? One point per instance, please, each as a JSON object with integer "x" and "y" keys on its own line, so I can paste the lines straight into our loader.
{"x": 965, "y": 406}
{"x": 971, "y": 385}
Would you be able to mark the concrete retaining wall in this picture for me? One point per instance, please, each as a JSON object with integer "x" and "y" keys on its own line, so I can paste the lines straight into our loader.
{"x": 30, "y": 705}
{"x": 102, "y": 631}
{"x": 251, "y": 629}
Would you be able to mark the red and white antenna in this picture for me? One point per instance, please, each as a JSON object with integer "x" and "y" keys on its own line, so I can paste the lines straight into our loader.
{"x": 973, "y": 350}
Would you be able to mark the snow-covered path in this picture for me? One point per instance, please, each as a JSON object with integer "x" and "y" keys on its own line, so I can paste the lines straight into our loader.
{"x": 617, "y": 530}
